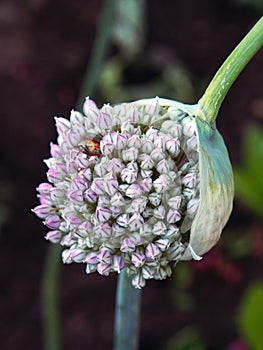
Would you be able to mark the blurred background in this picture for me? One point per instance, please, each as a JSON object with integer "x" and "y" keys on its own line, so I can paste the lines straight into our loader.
{"x": 167, "y": 48}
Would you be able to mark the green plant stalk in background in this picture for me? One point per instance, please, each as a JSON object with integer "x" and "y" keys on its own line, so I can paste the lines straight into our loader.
{"x": 50, "y": 305}
{"x": 98, "y": 52}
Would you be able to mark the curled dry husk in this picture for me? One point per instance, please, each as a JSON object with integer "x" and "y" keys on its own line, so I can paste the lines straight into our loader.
{"x": 216, "y": 183}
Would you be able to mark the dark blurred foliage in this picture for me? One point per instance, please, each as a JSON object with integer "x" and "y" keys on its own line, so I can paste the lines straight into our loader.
{"x": 45, "y": 47}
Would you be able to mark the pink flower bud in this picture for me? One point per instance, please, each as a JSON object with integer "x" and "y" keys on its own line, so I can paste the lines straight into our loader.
{"x": 84, "y": 229}
{"x": 175, "y": 130}
{"x": 151, "y": 134}
{"x": 135, "y": 222}
{"x": 148, "y": 272}
{"x": 129, "y": 155}
{"x": 189, "y": 193}
{"x": 129, "y": 175}
{"x": 78, "y": 255}
{"x": 189, "y": 128}
{"x": 160, "y": 142}
{"x": 103, "y": 230}
{"x": 55, "y": 150}
{"x": 115, "y": 166}
{"x": 159, "y": 228}
{"x": 138, "y": 281}
{"x": 89, "y": 103}
{"x": 82, "y": 161}
{"x": 135, "y": 116}
{"x": 90, "y": 268}
{"x": 103, "y": 269}
{"x": 80, "y": 183}
{"x": 105, "y": 119}
{"x": 56, "y": 175}
{"x": 157, "y": 155}
{"x": 161, "y": 184}
{"x": 134, "y": 141}
{"x": 102, "y": 214}
{"x": 123, "y": 220}
{"x": 117, "y": 200}
{"x": 90, "y": 196}
{"x": 163, "y": 272}
{"x": 103, "y": 200}
{"x": 189, "y": 180}
{"x": 139, "y": 204}
{"x": 175, "y": 250}
{"x": 46, "y": 200}
{"x": 62, "y": 125}
{"x": 133, "y": 191}
{"x": 91, "y": 258}
{"x": 87, "y": 174}
{"x": 42, "y": 211}
{"x": 54, "y": 236}
{"x": 173, "y": 147}
{"x": 147, "y": 146}
{"x": 172, "y": 231}
{"x": 66, "y": 256}
{"x": 162, "y": 244}
{"x": 98, "y": 186}
{"x": 53, "y": 221}
{"x": 146, "y": 162}
{"x": 44, "y": 188}
{"x": 138, "y": 259}
{"x": 119, "y": 140}
{"x": 76, "y": 117}
{"x": 153, "y": 108}
{"x": 111, "y": 185}
{"x": 155, "y": 198}
{"x": 159, "y": 212}
{"x": 104, "y": 257}
{"x": 106, "y": 147}
{"x": 117, "y": 230}
{"x": 175, "y": 202}
{"x": 117, "y": 263}
{"x": 73, "y": 219}
{"x": 146, "y": 184}
{"x": 127, "y": 245}
{"x": 173, "y": 216}
{"x": 90, "y": 109}
{"x": 76, "y": 197}
{"x": 163, "y": 166}
{"x": 152, "y": 251}
{"x": 73, "y": 138}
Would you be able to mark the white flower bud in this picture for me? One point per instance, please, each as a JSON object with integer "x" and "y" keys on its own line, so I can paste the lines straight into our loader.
{"x": 129, "y": 155}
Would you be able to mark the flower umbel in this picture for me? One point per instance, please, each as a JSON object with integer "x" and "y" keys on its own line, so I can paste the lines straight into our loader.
{"x": 124, "y": 189}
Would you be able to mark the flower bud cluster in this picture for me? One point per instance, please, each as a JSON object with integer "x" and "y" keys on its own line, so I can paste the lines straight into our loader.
{"x": 123, "y": 188}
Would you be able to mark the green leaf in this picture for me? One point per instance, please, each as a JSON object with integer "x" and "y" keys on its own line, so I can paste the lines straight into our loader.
{"x": 249, "y": 175}
{"x": 187, "y": 339}
{"x": 250, "y": 316}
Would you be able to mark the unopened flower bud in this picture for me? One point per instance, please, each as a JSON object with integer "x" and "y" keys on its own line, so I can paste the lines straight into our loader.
{"x": 139, "y": 186}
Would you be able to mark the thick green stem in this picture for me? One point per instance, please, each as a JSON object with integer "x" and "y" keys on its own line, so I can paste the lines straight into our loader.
{"x": 50, "y": 308}
{"x": 127, "y": 314}
{"x": 215, "y": 93}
